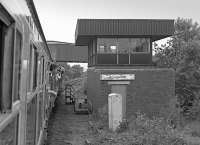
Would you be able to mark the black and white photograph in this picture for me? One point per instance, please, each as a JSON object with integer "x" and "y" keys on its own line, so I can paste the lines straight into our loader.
{"x": 99, "y": 72}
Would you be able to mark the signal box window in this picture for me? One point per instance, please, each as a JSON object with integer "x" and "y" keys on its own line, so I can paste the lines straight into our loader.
{"x": 123, "y": 46}
{"x": 107, "y": 46}
{"x": 123, "y": 51}
{"x": 113, "y": 49}
{"x": 101, "y": 49}
{"x": 140, "y": 45}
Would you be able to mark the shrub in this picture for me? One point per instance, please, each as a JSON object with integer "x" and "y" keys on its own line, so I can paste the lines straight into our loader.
{"x": 122, "y": 126}
{"x": 140, "y": 130}
{"x": 154, "y": 131}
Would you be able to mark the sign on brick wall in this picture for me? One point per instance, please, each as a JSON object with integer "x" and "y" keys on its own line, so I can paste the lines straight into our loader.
{"x": 117, "y": 77}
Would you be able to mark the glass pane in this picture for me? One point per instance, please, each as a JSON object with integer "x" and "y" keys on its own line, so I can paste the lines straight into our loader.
{"x": 35, "y": 65}
{"x": 139, "y": 45}
{"x": 40, "y": 113}
{"x": 1, "y": 62}
{"x": 17, "y": 67}
{"x": 9, "y": 136}
{"x": 31, "y": 122}
{"x": 30, "y": 68}
{"x": 39, "y": 72}
{"x": 113, "y": 49}
{"x": 123, "y": 45}
{"x": 94, "y": 47}
{"x": 107, "y": 45}
{"x": 101, "y": 49}
{"x": 6, "y": 68}
{"x": 43, "y": 69}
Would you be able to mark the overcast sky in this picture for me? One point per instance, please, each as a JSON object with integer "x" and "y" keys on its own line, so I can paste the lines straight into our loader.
{"x": 58, "y": 17}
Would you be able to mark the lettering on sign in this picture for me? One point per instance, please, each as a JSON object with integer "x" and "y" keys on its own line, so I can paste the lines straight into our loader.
{"x": 117, "y": 77}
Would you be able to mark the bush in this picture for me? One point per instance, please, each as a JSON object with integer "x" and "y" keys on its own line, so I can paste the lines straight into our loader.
{"x": 140, "y": 130}
{"x": 153, "y": 131}
{"x": 123, "y": 126}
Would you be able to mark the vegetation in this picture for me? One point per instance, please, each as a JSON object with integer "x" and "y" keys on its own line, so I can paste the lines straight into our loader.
{"x": 140, "y": 130}
{"x": 72, "y": 72}
{"x": 182, "y": 53}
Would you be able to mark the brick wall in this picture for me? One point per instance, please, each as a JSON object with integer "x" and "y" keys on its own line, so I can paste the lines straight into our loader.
{"x": 150, "y": 92}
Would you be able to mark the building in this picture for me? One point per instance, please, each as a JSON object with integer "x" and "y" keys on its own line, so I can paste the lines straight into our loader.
{"x": 120, "y": 61}
{"x": 63, "y": 52}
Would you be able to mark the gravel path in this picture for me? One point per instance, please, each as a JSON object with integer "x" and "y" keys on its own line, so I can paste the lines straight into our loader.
{"x": 67, "y": 128}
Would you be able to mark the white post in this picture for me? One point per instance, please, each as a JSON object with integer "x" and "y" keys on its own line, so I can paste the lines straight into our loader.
{"x": 114, "y": 110}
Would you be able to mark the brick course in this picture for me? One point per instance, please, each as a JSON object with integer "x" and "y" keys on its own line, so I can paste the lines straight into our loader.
{"x": 150, "y": 92}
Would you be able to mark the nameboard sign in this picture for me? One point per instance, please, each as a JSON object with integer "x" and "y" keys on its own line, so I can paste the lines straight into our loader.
{"x": 117, "y": 77}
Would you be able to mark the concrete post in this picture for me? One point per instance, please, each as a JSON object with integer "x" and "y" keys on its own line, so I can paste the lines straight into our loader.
{"x": 114, "y": 110}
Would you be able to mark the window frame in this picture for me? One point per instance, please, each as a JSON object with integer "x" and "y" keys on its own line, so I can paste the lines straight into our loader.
{"x": 35, "y": 68}
{"x": 13, "y": 113}
{"x": 146, "y": 52}
{"x": 19, "y": 68}
{"x": 101, "y": 42}
{"x": 117, "y": 41}
{"x": 6, "y": 102}
{"x": 30, "y": 68}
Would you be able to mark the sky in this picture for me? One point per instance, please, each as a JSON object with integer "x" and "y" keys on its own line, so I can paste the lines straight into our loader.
{"x": 58, "y": 17}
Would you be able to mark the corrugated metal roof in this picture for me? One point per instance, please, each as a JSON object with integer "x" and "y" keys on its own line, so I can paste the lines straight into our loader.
{"x": 87, "y": 29}
{"x": 68, "y": 52}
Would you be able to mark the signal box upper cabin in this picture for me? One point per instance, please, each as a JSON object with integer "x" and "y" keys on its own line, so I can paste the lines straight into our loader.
{"x": 120, "y": 52}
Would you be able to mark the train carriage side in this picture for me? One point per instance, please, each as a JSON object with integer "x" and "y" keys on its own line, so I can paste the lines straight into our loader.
{"x": 25, "y": 75}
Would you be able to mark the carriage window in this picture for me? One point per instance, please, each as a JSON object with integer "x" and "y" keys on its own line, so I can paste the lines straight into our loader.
{"x": 43, "y": 69}
{"x": 1, "y": 64}
{"x": 35, "y": 65}
{"x": 17, "y": 67}
{"x": 6, "y": 66}
{"x": 31, "y": 122}
{"x": 30, "y": 67}
{"x": 39, "y": 70}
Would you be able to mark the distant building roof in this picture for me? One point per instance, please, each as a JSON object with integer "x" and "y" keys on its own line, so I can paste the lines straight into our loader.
{"x": 68, "y": 52}
{"x": 86, "y": 29}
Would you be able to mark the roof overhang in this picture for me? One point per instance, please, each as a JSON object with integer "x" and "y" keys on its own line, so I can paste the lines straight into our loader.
{"x": 87, "y": 29}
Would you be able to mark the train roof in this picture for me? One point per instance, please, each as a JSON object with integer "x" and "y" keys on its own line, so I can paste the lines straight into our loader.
{"x": 87, "y": 29}
{"x": 35, "y": 17}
